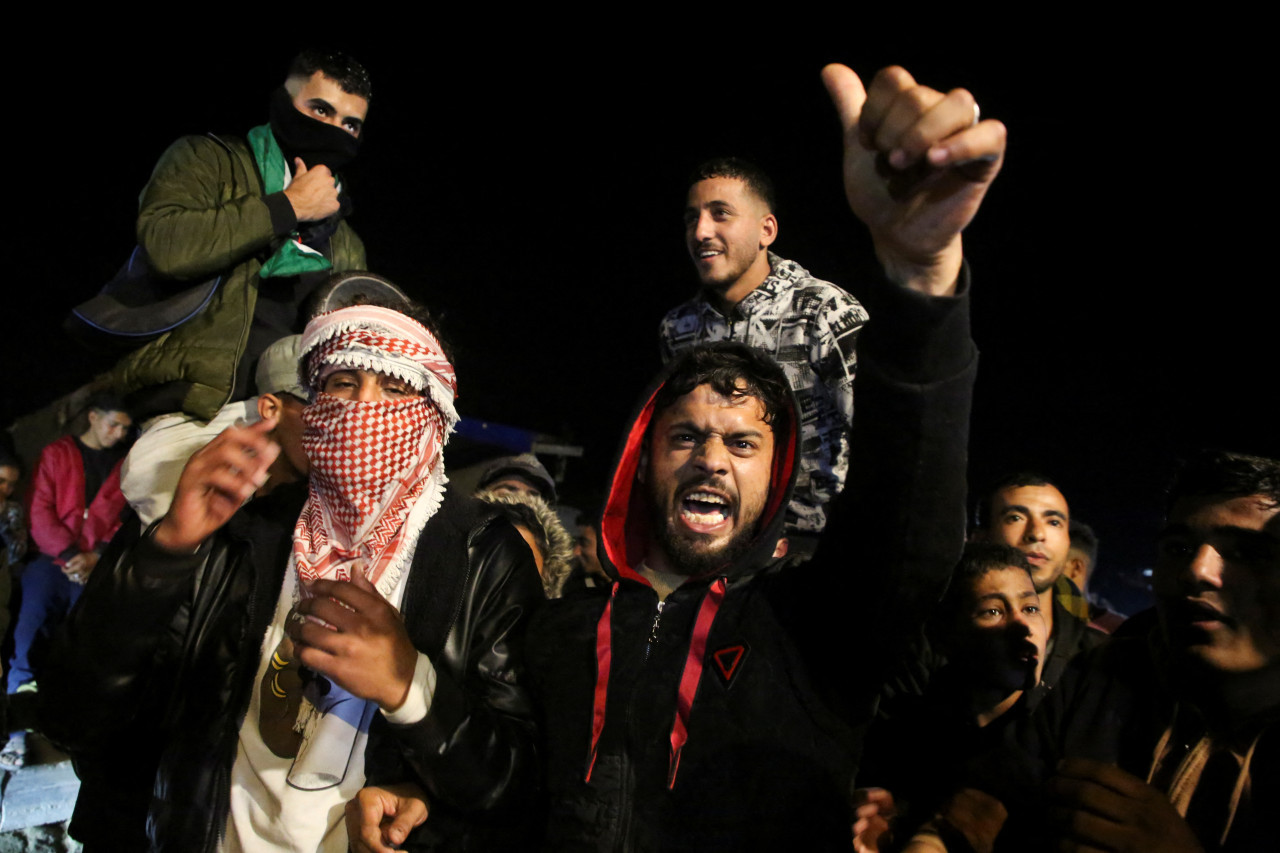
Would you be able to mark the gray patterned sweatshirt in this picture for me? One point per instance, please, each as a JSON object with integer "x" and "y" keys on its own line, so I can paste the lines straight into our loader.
{"x": 811, "y": 328}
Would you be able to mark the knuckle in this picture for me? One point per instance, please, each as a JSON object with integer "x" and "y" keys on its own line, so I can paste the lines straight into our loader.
{"x": 919, "y": 98}
{"x": 894, "y": 76}
{"x": 962, "y": 97}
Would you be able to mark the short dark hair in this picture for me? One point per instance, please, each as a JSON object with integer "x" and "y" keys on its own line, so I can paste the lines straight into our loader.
{"x": 732, "y": 370}
{"x": 8, "y": 459}
{"x": 339, "y": 67}
{"x": 1221, "y": 473}
{"x": 1018, "y": 479}
{"x": 1083, "y": 539}
{"x": 760, "y": 185}
{"x": 978, "y": 559}
{"x": 106, "y": 401}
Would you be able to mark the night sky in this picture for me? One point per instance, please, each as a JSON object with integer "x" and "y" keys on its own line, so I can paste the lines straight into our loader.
{"x": 529, "y": 186}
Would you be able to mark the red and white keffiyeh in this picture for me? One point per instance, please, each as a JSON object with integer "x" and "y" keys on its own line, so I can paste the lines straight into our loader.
{"x": 376, "y": 471}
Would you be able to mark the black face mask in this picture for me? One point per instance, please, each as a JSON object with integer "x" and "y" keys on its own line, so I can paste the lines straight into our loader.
{"x": 299, "y": 135}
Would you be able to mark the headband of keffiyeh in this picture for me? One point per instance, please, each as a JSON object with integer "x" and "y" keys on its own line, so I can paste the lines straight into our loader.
{"x": 376, "y": 470}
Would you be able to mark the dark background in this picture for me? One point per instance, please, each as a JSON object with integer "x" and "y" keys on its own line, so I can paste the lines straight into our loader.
{"x": 528, "y": 184}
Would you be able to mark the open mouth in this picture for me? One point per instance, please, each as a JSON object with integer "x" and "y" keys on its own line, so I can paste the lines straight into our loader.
{"x": 703, "y": 510}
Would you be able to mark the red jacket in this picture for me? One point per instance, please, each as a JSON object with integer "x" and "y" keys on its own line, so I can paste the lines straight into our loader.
{"x": 60, "y": 523}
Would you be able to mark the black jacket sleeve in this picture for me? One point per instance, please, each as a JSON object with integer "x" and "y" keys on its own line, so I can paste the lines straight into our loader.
{"x": 474, "y": 752}
{"x": 121, "y": 633}
{"x": 895, "y": 533}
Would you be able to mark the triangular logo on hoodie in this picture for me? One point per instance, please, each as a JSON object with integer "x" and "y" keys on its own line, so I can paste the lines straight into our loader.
{"x": 729, "y": 660}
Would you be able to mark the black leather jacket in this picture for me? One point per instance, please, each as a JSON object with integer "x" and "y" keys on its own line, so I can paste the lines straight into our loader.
{"x": 151, "y": 678}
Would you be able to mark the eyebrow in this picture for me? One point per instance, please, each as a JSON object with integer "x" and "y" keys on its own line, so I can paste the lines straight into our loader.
{"x": 1183, "y": 529}
{"x": 690, "y": 426}
{"x": 1056, "y": 513}
{"x": 689, "y": 208}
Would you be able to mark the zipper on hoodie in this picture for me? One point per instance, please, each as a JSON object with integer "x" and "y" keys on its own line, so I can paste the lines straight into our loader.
{"x": 653, "y": 631}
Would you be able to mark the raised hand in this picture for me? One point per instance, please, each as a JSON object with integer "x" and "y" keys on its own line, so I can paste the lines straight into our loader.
{"x": 380, "y": 819}
{"x": 359, "y": 641}
{"x": 216, "y": 481}
{"x": 313, "y": 193}
{"x": 917, "y": 164}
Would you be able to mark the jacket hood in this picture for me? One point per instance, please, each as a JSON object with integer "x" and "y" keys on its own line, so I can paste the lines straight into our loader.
{"x": 626, "y": 529}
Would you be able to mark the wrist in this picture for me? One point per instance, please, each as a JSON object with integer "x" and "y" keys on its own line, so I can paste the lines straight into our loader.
{"x": 167, "y": 538}
{"x": 933, "y": 274}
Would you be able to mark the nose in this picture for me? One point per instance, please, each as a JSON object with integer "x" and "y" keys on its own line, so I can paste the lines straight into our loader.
{"x": 1020, "y": 623}
{"x": 1206, "y": 566}
{"x": 703, "y": 229}
{"x": 712, "y": 456}
{"x": 369, "y": 391}
{"x": 1033, "y": 532}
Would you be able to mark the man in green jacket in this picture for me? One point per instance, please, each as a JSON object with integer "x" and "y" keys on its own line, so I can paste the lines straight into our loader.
{"x": 267, "y": 214}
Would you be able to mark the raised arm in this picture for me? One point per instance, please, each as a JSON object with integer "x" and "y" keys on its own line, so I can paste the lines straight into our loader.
{"x": 917, "y": 164}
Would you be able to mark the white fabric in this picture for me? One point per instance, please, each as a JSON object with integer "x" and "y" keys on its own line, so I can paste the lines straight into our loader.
{"x": 267, "y": 814}
{"x": 151, "y": 470}
{"x": 418, "y": 703}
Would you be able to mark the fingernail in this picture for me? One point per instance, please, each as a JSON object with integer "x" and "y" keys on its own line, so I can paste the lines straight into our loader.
{"x": 240, "y": 423}
{"x": 938, "y": 156}
{"x": 898, "y": 159}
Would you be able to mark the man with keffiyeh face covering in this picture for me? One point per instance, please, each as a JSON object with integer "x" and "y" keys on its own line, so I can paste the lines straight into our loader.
{"x": 382, "y": 630}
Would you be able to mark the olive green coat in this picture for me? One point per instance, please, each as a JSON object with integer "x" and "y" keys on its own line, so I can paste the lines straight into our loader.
{"x": 203, "y": 213}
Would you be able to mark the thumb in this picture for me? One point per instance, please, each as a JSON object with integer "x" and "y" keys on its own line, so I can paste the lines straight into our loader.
{"x": 300, "y": 168}
{"x": 264, "y": 425}
{"x": 359, "y": 579}
{"x": 410, "y": 813}
{"x": 847, "y": 94}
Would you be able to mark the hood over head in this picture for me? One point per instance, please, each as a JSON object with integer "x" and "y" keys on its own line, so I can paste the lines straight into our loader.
{"x": 627, "y": 527}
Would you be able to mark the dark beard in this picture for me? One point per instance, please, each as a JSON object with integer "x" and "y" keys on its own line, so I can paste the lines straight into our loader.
{"x": 683, "y": 553}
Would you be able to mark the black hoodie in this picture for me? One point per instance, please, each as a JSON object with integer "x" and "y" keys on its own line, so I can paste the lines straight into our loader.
{"x": 729, "y": 718}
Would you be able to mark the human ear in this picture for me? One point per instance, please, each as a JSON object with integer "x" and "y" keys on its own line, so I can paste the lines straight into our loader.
{"x": 268, "y": 406}
{"x": 768, "y": 230}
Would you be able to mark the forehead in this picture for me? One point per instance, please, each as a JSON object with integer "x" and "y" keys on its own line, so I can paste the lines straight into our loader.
{"x": 1011, "y": 582}
{"x": 113, "y": 418}
{"x": 704, "y": 406}
{"x": 1037, "y": 499}
{"x": 733, "y": 191}
{"x": 8, "y": 473}
{"x": 1249, "y": 512}
{"x": 327, "y": 89}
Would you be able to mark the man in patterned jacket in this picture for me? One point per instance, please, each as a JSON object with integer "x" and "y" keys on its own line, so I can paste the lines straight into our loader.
{"x": 751, "y": 295}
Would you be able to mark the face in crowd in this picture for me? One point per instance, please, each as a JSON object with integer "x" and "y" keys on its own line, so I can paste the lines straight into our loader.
{"x": 1217, "y": 581}
{"x": 323, "y": 99}
{"x": 9, "y": 476}
{"x": 366, "y": 386}
{"x": 514, "y": 485}
{"x": 106, "y": 429}
{"x": 726, "y": 228}
{"x": 710, "y": 460}
{"x": 1035, "y": 520}
{"x": 999, "y": 634}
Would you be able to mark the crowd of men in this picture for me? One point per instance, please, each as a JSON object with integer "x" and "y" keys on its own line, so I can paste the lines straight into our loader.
{"x": 291, "y": 631}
